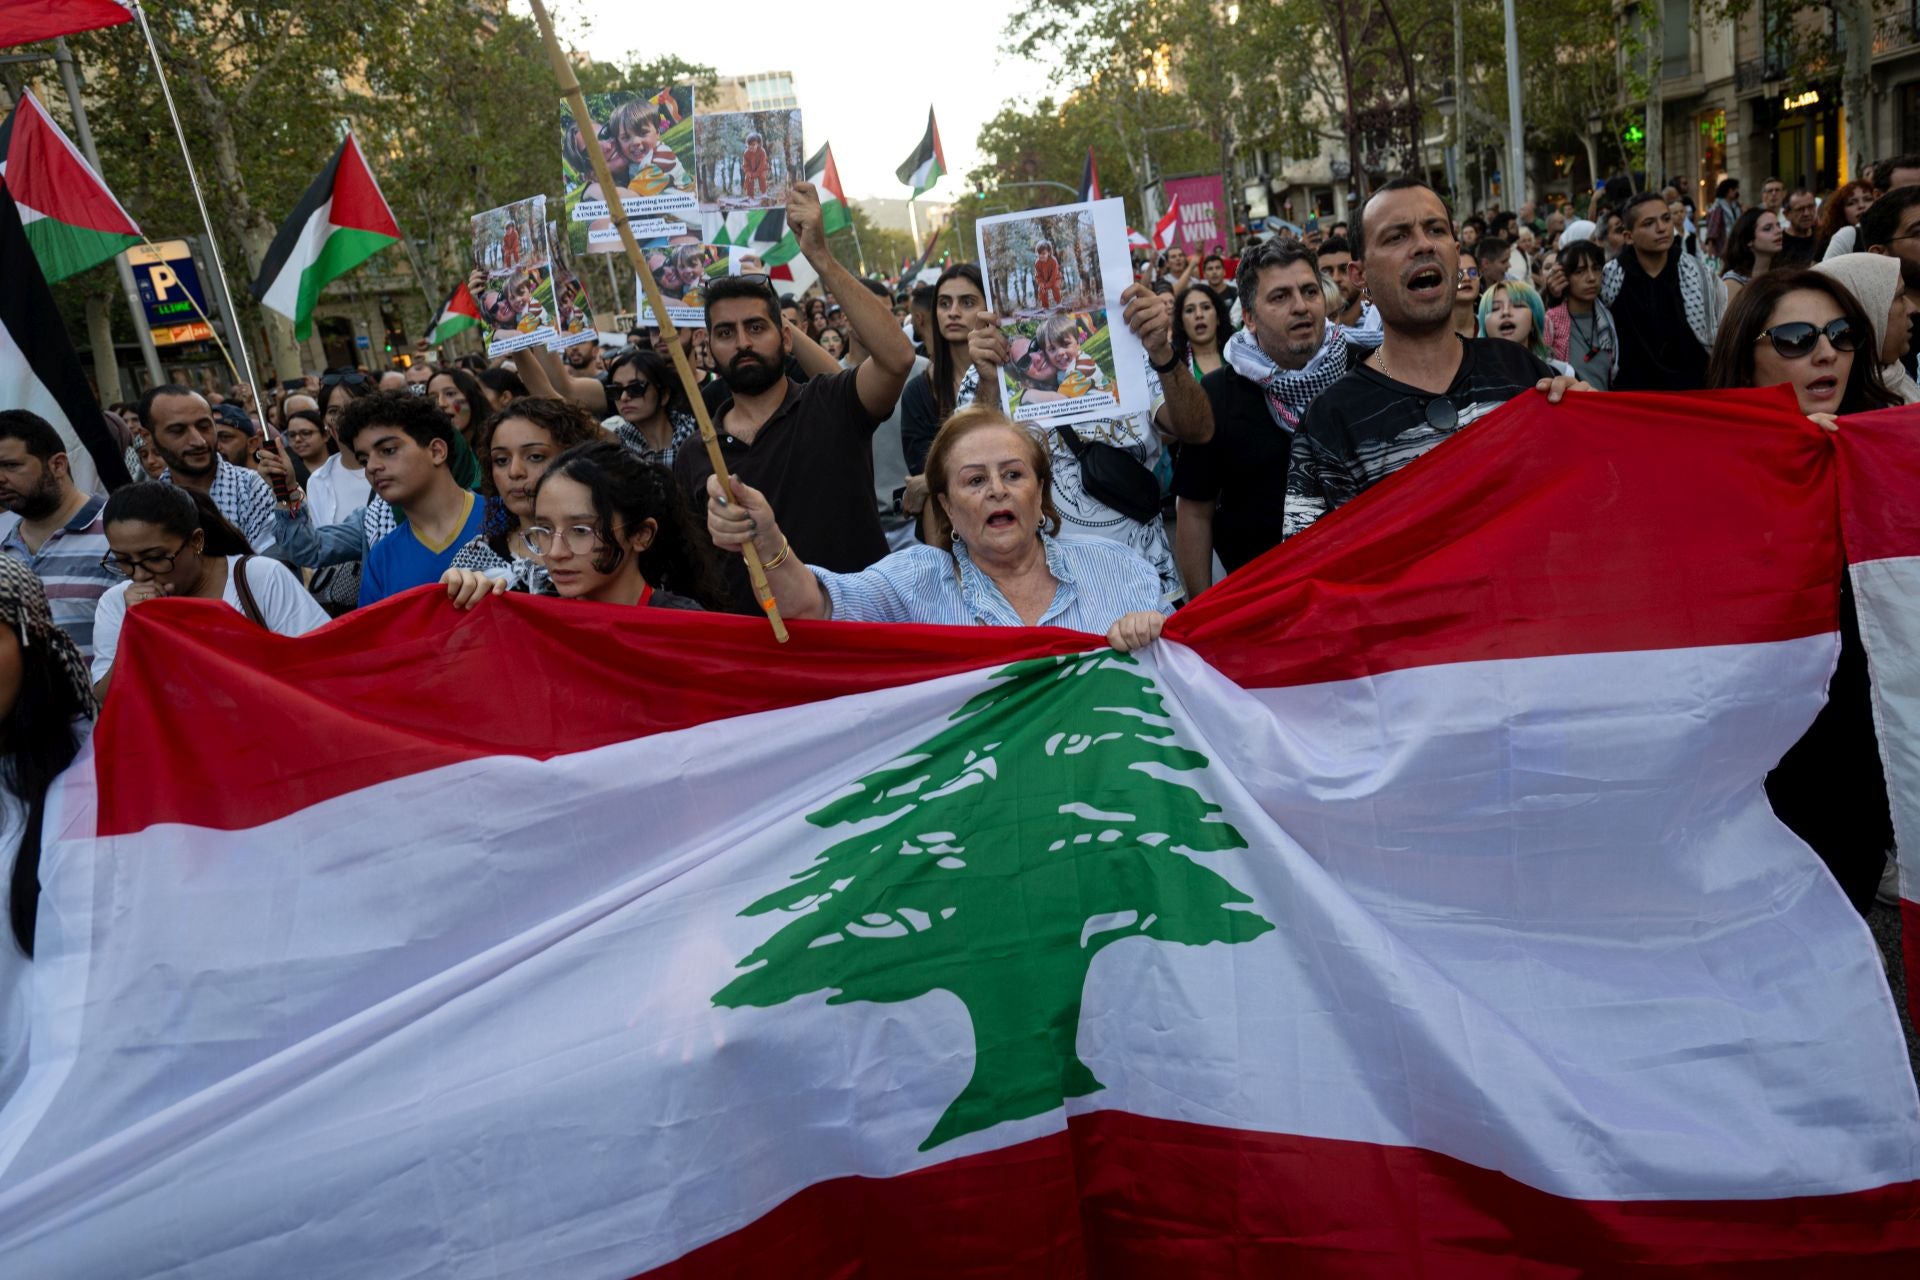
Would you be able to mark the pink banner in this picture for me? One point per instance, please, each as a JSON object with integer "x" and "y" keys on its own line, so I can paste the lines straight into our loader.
{"x": 1203, "y": 213}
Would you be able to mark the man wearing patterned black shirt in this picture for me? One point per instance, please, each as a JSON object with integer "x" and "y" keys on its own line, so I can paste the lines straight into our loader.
{"x": 1424, "y": 382}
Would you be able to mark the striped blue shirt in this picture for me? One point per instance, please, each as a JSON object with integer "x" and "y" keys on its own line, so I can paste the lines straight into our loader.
{"x": 1099, "y": 581}
{"x": 68, "y": 566}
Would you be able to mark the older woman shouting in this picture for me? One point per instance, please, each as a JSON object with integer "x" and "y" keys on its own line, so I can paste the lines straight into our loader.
{"x": 994, "y": 561}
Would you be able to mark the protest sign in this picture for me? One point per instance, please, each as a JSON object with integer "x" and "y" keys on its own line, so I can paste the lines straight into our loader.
{"x": 680, "y": 267}
{"x": 1201, "y": 227}
{"x": 1054, "y": 277}
{"x": 516, "y": 298}
{"x": 648, "y": 142}
{"x": 748, "y": 159}
{"x": 573, "y": 313}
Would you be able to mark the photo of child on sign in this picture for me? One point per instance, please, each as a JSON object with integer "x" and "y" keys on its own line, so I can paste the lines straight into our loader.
{"x": 572, "y": 311}
{"x": 1054, "y": 279}
{"x": 748, "y": 159}
{"x": 681, "y": 268}
{"x": 512, "y": 277}
{"x": 1044, "y": 263}
{"x": 647, "y": 139}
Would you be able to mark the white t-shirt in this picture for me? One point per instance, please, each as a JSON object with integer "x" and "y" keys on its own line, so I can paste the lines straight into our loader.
{"x": 15, "y": 969}
{"x": 286, "y": 605}
{"x": 333, "y": 491}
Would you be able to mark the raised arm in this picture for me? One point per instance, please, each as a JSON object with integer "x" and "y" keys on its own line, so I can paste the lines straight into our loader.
{"x": 889, "y": 359}
{"x": 810, "y": 355}
{"x": 1185, "y": 416}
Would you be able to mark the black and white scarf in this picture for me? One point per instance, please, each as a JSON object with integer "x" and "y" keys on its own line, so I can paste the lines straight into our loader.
{"x": 1701, "y": 296}
{"x": 1290, "y": 392}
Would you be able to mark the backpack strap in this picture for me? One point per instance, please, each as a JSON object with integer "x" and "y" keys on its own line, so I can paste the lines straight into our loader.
{"x": 248, "y": 605}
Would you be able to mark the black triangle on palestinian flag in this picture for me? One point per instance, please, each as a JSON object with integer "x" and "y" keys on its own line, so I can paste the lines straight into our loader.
{"x": 40, "y": 370}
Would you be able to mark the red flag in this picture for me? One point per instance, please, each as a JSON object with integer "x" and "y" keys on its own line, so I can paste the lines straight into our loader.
{"x": 24, "y": 21}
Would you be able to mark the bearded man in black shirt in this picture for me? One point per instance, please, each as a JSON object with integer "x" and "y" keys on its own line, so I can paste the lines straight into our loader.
{"x": 1424, "y": 382}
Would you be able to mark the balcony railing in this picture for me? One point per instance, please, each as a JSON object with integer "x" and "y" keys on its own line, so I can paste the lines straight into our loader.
{"x": 1749, "y": 76}
{"x": 1894, "y": 31}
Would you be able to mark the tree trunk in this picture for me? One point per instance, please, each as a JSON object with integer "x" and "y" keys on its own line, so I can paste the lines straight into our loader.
{"x": 1656, "y": 104}
{"x": 1593, "y": 158}
{"x": 106, "y": 366}
{"x": 1856, "y": 87}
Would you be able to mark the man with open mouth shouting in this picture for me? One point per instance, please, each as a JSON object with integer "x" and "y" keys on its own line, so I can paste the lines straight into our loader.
{"x": 1425, "y": 382}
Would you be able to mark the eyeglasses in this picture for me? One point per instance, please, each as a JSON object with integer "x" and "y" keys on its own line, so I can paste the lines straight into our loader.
{"x": 1796, "y": 340}
{"x": 580, "y": 538}
{"x": 621, "y": 390}
{"x": 1469, "y": 273}
{"x": 1442, "y": 415}
{"x": 127, "y": 566}
{"x": 352, "y": 377}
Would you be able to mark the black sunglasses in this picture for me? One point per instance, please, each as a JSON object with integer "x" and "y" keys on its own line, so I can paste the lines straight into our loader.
{"x": 1442, "y": 415}
{"x": 637, "y": 388}
{"x": 352, "y": 377}
{"x": 1796, "y": 339}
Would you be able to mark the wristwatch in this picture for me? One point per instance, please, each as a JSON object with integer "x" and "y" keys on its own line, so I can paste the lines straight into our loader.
{"x": 1168, "y": 367}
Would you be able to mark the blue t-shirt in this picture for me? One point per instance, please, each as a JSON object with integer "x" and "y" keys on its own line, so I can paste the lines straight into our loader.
{"x": 401, "y": 560}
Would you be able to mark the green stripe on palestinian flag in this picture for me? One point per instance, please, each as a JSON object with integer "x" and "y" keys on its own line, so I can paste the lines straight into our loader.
{"x": 340, "y": 222}
{"x": 457, "y": 314}
{"x": 71, "y": 219}
{"x": 823, "y": 173}
{"x": 928, "y": 163}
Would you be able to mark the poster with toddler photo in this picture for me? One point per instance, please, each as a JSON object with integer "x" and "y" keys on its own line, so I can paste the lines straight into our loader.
{"x": 572, "y": 311}
{"x": 747, "y": 159}
{"x": 516, "y": 295}
{"x": 1054, "y": 278}
{"x": 680, "y": 267}
{"x": 647, "y": 138}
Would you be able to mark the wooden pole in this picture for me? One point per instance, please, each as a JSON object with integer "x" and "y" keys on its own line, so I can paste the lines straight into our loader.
{"x": 616, "y": 208}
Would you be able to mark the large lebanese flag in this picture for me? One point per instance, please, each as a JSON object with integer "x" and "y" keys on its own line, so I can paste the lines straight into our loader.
{"x": 1414, "y": 909}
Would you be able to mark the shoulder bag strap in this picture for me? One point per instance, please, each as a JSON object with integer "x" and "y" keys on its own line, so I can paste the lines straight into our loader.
{"x": 248, "y": 605}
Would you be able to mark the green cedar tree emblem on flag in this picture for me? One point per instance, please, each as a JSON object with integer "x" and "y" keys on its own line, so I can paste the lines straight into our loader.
{"x": 1038, "y": 827}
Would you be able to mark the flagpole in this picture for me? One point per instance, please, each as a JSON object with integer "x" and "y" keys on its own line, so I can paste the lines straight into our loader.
{"x": 83, "y": 132}
{"x": 570, "y": 90}
{"x": 213, "y": 244}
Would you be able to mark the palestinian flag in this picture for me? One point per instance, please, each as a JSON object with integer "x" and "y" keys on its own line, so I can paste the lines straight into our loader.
{"x": 768, "y": 227}
{"x": 927, "y": 163}
{"x": 1413, "y": 908}
{"x": 825, "y": 174}
{"x": 72, "y": 220}
{"x": 457, "y": 314}
{"x": 39, "y": 369}
{"x": 339, "y": 223}
{"x": 1090, "y": 179}
{"x": 25, "y": 21}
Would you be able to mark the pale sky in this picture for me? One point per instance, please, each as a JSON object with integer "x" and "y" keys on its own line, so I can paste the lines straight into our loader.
{"x": 865, "y": 71}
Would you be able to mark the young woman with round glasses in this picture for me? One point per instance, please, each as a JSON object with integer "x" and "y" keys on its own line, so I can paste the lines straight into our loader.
{"x": 612, "y": 527}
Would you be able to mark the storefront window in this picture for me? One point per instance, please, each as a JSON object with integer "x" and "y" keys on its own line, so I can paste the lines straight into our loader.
{"x": 1711, "y": 131}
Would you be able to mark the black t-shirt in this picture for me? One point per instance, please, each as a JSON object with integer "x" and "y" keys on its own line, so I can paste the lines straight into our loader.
{"x": 814, "y": 461}
{"x": 919, "y": 420}
{"x": 1795, "y": 251}
{"x": 1367, "y": 426}
{"x": 1243, "y": 468}
{"x": 1658, "y": 351}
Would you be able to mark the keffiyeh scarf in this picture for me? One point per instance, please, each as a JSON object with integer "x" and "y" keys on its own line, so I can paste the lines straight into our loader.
{"x": 1698, "y": 294}
{"x": 23, "y": 609}
{"x": 1289, "y": 392}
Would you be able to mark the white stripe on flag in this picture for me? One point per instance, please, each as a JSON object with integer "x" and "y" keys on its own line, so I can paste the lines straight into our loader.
{"x": 283, "y": 295}
{"x": 21, "y": 388}
{"x": 1885, "y": 592}
{"x": 1571, "y": 944}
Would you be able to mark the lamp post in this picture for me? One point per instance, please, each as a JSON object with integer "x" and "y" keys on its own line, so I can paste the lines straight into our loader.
{"x": 1516, "y": 142}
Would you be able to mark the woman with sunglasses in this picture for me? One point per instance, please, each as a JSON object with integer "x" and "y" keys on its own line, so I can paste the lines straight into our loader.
{"x": 653, "y": 418}
{"x": 169, "y": 541}
{"x": 612, "y": 527}
{"x": 1805, "y": 329}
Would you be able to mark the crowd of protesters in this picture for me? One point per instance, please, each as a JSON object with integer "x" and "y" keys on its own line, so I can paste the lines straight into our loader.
{"x": 877, "y": 478}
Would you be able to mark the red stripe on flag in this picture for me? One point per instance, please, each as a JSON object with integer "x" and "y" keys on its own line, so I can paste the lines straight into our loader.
{"x": 47, "y": 173}
{"x": 517, "y": 676}
{"x": 1124, "y": 1197}
{"x": 1608, "y": 523}
{"x": 357, "y": 201}
{"x": 24, "y": 21}
{"x": 1880, "y": 484}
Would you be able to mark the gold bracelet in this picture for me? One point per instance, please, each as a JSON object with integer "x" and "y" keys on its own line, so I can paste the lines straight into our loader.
{"x": 786, "y": 548}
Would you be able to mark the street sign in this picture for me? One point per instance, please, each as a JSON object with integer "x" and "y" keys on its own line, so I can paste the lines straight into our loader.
{"x": 170, "y": 292}
{"x": 362, "y": 341}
